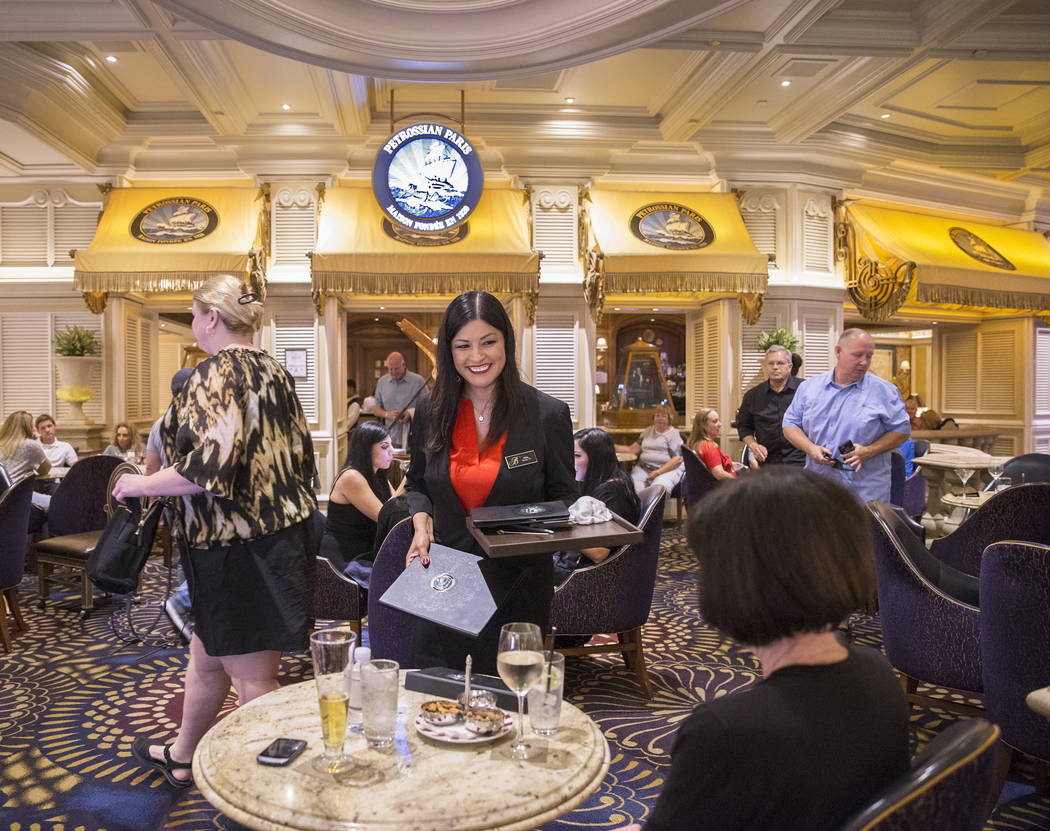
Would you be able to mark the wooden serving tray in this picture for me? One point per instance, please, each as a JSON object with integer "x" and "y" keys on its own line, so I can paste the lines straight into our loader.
{"x": 612, "y": 534}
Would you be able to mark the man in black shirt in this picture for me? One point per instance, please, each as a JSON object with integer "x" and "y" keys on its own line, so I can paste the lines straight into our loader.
{"x": 759, "y": 419}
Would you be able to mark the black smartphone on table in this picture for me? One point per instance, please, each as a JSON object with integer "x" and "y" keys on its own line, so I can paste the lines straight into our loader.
{"x": 281, "y": 752}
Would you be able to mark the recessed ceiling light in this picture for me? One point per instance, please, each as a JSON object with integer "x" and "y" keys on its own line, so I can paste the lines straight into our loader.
{"x": 655, "y": 309}
{"x": 286, "y": 107}
{"x": 382, "y": 308}
{"x": 785, "y": 83}
{"x": 715, "y": 42}
{"x": 111, "y": 58}
{"x": 652, "y": 320}
{"x": 376, "y": 319}
{"x": 570, "y": 100}
{"x": 884, "y": 115}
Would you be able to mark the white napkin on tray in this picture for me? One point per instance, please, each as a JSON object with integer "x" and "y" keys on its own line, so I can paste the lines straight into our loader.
{"x": 587, "y": 511}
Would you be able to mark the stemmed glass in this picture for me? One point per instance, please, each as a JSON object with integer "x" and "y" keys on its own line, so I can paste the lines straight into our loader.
{"x": 995, "y": 470}
{"x": 964, "y": 474}
{"x": 519, "y": 662}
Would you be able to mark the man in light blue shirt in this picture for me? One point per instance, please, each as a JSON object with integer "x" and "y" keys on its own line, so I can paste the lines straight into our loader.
{"x": 849, "y": 404}
{"x": 395, "y": 393}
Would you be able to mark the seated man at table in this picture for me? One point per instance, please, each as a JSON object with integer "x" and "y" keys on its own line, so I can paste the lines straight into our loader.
{"x": 59, "y": 453}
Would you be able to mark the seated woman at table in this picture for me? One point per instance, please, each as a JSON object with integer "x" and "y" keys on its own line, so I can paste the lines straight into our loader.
{"x": 707, "y": 427}
{"x": 600, "y": 476}
{"x": 659, "y": 462}
{"x": 21, "y": 455}
{"x": 483, "y": 437}
{"x": 826, "y": 726}
{"x": 126, "y": 444}
{"x": 357, "y": 496}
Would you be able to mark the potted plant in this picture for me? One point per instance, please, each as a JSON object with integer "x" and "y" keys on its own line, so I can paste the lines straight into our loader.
{"x": 780, "y": 337}
{"x": 76, "y": 355}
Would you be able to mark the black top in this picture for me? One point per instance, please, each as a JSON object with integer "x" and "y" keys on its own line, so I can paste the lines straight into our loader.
{"x": 803, "y": 749}
{"x": 348, "y": 533}
{"x": 620, "y": 498}
{"x": 761, "y": 415}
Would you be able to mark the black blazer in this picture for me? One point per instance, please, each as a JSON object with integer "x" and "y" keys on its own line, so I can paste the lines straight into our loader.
{"x": 543, "y": 426}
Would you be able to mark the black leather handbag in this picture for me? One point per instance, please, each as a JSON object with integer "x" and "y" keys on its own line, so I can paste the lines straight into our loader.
{"x": 116, "y": 561}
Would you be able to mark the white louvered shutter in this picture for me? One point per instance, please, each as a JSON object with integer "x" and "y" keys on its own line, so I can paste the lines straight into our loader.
{"x": 294, "y": 233}
{"x": 23, "y": 235}
{"x": 817, "y": 345}
{"x": 85, "y": 320}
{"x": 762, "y": 228}
{"x": 751, "y": 357}
{"x": 25, "y": 344}
{"x": 1042, "y": 372}
{"x": 555, "y": 358}
{"x": 816, "y": 243}
{"x": 997, "y": 373}
{"x": 297, "y": 331}
{"x": 959, "y": 363}
{"x": 74, "y": 229}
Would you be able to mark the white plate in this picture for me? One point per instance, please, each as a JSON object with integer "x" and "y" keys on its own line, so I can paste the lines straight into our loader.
{"x": 458, "y": 733}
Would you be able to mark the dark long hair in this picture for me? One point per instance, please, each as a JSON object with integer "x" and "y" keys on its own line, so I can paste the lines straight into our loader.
{"x": 362, "y": 439}
{"x": 602, "y": 464}
{"x": 448, "y": 388}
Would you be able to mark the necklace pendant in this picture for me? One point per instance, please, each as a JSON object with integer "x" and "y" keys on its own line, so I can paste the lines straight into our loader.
{"x": 481, "y": 418}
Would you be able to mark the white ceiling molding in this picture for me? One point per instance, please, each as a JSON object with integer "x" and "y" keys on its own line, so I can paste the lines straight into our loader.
{"x": 448, "y": 41}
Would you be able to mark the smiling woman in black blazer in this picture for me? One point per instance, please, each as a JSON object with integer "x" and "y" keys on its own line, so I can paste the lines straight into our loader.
{"x": 484, "y": 438}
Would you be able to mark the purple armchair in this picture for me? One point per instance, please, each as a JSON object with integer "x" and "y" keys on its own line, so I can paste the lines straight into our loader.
{"x": 953, "y": 783}
{"x": 1015, "y": 643}
{"x": 698, "y": 480}
{"x": 15, "y": 503}
{"x": 928, "y": 611}
{"x": 1017, "y": 513}
{"x": 909, "y": 492}
{"x": 389, "y": 630}
{"x": 616, "y": 594}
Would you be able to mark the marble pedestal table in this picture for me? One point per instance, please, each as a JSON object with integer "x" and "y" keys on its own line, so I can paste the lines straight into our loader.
{"x": 939, "y": 466}
{"x": 418, "y": 784}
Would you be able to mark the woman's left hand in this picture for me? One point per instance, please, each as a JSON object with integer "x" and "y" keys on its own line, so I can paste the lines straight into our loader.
{"x": 130, "y": 484}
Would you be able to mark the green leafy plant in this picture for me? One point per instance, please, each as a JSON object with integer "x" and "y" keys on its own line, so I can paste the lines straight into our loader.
{"x": 781, "y": 337}
{"x": 76, "y": 341}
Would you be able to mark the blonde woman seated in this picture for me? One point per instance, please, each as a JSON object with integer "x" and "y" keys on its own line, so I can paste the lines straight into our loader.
{"x": 704, "y": 441}
{"x": 658, "y": 449}
{"x": 126, "y": 443}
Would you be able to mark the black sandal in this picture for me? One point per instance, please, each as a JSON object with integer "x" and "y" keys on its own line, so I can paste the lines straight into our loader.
{"x": 140, "y": 750}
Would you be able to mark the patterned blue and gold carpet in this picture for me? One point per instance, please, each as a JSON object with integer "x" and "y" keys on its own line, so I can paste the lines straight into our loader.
{"x": 72, "y": 698}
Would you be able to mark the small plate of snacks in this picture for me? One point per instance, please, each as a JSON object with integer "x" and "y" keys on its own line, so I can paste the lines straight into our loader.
{"x": 476, "y": 724}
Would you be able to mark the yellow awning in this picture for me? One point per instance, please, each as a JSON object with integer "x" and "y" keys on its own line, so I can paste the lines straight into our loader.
{"x": 355, "y": 253}
{"x": 221, "y": 225}
{"x": 962, "y": 263}
{"x": 727, "y": 261}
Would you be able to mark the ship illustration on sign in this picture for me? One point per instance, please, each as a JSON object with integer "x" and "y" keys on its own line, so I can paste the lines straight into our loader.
{"x": 980, "y": 250}
{"x": 673, "y": 226}
{"x": 174, "y": 220}
{"x": 428, "y": 178}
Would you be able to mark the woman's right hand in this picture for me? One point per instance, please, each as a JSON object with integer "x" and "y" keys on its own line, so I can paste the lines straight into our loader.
{"x": 130, "y": 484}
{"x": 423, "y": 524}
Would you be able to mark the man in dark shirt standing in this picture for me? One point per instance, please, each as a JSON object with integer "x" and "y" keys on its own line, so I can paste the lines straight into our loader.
{"x": 762, "y": 411}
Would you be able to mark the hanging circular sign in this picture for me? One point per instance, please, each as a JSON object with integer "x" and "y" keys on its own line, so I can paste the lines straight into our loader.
{"x": 173, "y": 220}
{"x": 427, "y": 178}
{"x": 977, "y": 248}
{"x": 670, "y": 225}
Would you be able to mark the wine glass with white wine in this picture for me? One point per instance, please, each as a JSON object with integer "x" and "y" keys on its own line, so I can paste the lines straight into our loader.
{"x": 519, "y": 662}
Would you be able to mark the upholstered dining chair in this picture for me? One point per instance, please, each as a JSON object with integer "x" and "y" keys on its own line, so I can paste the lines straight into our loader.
{"x": 1017, "y": 513}
{"x": 909, "y": 492}
{"x": 15, "y": 503}
{"x": 698, "y": 480}
{"x": 953, "y": 783}
{"x": 337, "y": 597}
{"x": 615, "y": 595}
{"x": 75, "y": 519}
{"x": 390, "y": 630}
{"x": 1028, "y": 468}
{"x": 928, "y": 611}
{"x": 1015, "y": 645}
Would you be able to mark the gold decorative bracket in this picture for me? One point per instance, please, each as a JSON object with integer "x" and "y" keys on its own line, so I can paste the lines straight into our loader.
{"x": 750, "y": 306}
{"x": 95, "y": 301}
{"x": 877, "y": 288}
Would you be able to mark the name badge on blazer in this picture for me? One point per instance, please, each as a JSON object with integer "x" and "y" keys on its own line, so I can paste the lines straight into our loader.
{"x": 520, "y": 459}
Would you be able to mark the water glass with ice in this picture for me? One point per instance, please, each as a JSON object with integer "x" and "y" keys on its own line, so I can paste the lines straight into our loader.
{"x": 545, "y": 697}
{"x": 379, "y": 689}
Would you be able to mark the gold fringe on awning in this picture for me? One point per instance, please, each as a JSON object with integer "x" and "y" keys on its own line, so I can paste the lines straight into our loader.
{"x": 456, "y": 283}
{"x": 686, "y": 281}
{"x": 985, "y": 298}
{"x": 148, "y": 282}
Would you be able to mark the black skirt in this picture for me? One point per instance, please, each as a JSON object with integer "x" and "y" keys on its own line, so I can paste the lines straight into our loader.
{"x": 254, "y": 595}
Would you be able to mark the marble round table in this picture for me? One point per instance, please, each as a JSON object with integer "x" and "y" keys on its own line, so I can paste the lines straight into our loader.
{"x": 418, "y": 784}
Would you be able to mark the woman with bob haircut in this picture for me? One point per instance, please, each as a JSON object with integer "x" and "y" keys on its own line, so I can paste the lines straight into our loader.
{"x": 240, "y": 456}
{"x": 600, "y": 476}
{"x": 826, "y": 725}
{"x": 484, "y": 438}
{"x": 358, "y": 494}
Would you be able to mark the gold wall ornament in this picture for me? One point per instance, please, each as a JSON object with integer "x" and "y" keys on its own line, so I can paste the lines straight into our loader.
{"x": 532, "y": 299}
{"x": 320, "y": 299}
{"x": 95, "y": 301}
{"x": 256, "y": 273}
{"x": 878, "y": 289}
{"x": 750, "y": 306}
{"x": 594, "y": 284}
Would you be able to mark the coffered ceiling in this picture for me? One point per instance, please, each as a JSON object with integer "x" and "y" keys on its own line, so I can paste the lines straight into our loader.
{"x": 870, "y": 95}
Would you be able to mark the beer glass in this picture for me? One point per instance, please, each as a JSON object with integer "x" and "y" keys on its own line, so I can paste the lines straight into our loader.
{"x": 331, "y": 650}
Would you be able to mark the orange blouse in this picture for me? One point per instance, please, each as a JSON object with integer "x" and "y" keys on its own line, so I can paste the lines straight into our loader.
{"x": 472, "y": 473}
